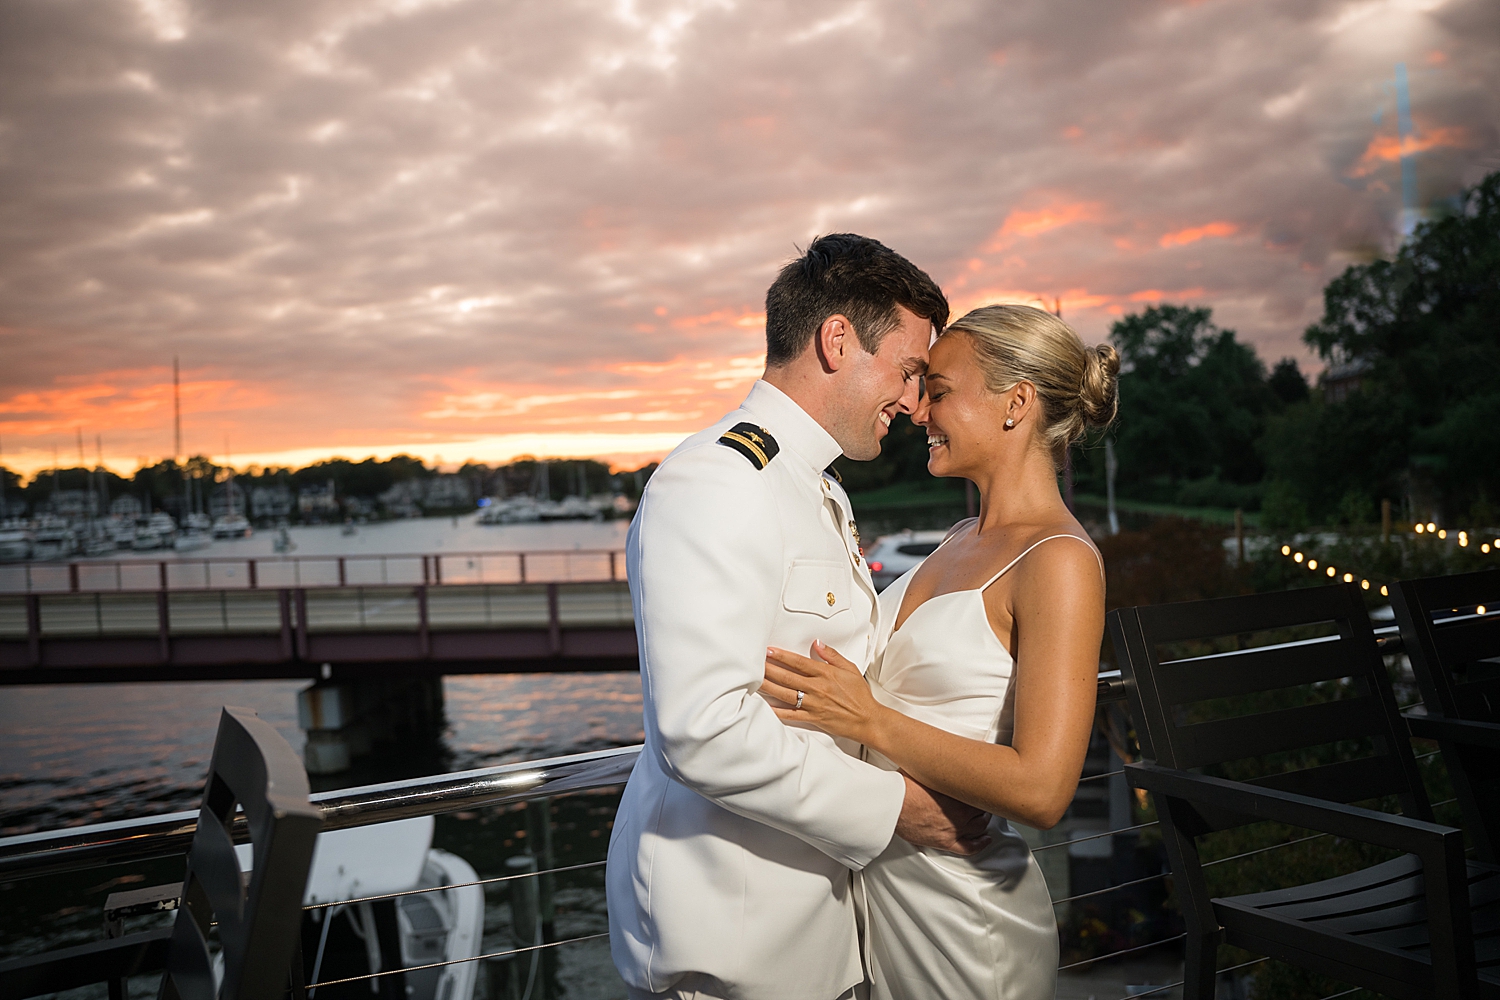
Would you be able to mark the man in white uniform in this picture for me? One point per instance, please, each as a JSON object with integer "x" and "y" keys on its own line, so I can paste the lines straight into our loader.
{"x": 729, "y": 861}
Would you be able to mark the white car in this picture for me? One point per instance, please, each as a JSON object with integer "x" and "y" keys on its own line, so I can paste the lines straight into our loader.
{"x": 892, "y": 555}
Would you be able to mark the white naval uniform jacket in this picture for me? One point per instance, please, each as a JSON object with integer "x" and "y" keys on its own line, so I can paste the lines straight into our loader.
{"x": 731, "y": 852}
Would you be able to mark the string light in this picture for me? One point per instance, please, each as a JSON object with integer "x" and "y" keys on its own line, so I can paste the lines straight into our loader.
{"x": 1286, "y": 550}
{"x": 1480, "y": 609}
{"x": 1420, "y": 529}
{"x": 1348, "y": 577}
{"x": 1463, "y": 538}
{"x": 1431, "y": 526}
{"x": 1331, "y": 571}
{"x": 1312, "y": 564}
{"x": 1485, "y": 548}
{"x": 1364, "y": 585}
{"x": 1298, "y": 556}
{"x": 1384, "y": 592}
{"x": 1443, "y": 533}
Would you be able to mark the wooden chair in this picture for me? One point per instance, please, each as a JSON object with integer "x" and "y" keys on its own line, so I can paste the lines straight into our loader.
{"x": 1405, "y": 928}
{"x": 254, "y": 769}
{"x": 1449, "y": 642}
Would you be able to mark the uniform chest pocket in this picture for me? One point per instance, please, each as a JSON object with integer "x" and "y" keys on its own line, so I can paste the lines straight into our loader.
{"x": 816, "y": 587}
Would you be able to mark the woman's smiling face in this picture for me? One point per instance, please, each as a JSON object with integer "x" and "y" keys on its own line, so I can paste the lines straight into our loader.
{"x": 962, "y": 417}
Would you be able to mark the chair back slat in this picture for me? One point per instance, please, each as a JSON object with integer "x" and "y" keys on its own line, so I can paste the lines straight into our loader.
{"x": 1440, "y": 651}
{"x": 254, "y": 770}
{"x": 1452, "y": 657}
{"x": 1357, "y": 780}
{"x": 1266, "y": 733}
{"x": 1181, "y": 723}
{"x": 1468, "y": 640}
{"x": 1226, "y": 675}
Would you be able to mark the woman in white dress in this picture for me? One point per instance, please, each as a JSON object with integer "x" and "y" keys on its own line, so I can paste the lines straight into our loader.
{"x": 984, "y": 689}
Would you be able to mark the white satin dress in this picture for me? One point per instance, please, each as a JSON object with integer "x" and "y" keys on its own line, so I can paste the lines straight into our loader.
{"x": 937, "y": 924}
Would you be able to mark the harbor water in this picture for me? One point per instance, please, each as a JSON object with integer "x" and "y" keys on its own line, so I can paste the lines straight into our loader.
{"x": 77, "y": 754}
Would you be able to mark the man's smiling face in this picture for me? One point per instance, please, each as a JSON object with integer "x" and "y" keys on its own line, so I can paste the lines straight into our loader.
{"x": 881, "y": 385}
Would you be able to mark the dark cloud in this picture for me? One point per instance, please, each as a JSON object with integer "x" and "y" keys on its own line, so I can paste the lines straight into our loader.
{"x": 365, "y": 209}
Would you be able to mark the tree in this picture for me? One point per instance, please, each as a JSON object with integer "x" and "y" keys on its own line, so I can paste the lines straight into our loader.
{"x": 1193, "y": 401}
{"x": 1426, "y": 329}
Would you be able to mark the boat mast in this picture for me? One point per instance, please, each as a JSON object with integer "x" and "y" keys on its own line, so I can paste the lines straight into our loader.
{"x": 177, "y": 439}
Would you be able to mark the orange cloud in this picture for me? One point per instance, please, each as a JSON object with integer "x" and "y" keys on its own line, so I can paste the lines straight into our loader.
{"x": 1389, "y": 148}
{"x": 1193, "y": 234}
{"x": 103, "y": 401}
{"x": 1033, "y": 223}
{"x": 1157, "y": 295}
{"x": 742, "y": 318}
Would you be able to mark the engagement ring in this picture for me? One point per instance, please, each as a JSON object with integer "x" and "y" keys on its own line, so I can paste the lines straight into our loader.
{"x": 798, "y": 706}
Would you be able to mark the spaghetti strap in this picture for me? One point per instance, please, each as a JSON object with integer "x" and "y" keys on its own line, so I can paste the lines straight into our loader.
{"x": 1033, "y": 545}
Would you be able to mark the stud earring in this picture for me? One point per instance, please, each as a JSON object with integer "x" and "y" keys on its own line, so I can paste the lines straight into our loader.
{"x": 1009, "y": 422}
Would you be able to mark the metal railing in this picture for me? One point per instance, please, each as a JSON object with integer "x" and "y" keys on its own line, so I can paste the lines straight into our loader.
{"x": 272, "y": 572}
{"x": 161, "y": 836}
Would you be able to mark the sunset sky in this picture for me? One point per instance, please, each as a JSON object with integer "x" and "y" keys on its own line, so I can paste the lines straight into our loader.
{"x": 472, "y": 229}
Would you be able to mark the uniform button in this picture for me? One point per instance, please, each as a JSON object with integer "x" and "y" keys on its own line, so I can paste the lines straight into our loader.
{"x": 831, "y": 599}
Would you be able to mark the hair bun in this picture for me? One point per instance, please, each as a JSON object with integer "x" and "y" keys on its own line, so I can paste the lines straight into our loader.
{"x": 1098, "y": 396}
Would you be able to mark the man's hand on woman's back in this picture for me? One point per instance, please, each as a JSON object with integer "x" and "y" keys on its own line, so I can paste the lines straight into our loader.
{"x": 932, "y": 819}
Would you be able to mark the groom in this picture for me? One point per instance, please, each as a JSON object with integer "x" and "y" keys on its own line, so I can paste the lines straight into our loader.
{"x": 729, "y": 860}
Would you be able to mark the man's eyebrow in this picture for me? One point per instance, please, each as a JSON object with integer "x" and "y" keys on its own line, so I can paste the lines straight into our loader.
{"x": 917, "y": 365}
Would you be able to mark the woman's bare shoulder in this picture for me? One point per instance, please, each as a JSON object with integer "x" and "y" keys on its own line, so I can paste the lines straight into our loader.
{"x": 960, "y": 526}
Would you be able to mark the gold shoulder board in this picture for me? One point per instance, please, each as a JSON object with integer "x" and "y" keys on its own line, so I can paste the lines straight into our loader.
{"x": 755, "y": 443}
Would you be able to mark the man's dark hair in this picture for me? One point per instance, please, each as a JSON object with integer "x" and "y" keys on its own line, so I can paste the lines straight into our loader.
{"x": 855, "y": 276}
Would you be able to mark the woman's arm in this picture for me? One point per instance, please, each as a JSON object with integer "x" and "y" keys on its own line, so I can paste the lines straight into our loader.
{"x": 1059, "y": 622}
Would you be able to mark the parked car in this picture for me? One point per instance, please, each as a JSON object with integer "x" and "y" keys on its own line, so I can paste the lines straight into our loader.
{"x": 892, "y": 555}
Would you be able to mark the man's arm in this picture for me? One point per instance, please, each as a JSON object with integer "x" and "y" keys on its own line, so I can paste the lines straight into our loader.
{"x": 706, "y": 565}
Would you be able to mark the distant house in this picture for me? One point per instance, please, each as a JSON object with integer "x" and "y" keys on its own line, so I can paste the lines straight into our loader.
{"x": 273, "y": 502}
{"x": 73, "y": 503}
{"x": 414, "y": 496}
{"x": 318, "y": 501}
{"x": 448, "y": 492}
{"x": 1341, "y": 381}
{"x": 127, "y": 507}
{"x": 227, "y": 498}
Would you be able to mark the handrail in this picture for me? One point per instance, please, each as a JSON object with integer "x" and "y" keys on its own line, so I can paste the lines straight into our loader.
{"x": 220, "y": 572}
{"x": 99, "y": 844}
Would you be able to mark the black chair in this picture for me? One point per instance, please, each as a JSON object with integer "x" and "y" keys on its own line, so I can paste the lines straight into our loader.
{"x": 253, "y": 768}
{"x": 1406, "y": 927}
{"x": 1450, "y": 644}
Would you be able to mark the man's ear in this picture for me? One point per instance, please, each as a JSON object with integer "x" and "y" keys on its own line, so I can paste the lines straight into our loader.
{"x": 835, "y": 342}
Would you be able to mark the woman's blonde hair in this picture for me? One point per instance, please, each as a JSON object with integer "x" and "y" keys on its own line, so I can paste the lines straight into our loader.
{"x": 1076, "y": 385}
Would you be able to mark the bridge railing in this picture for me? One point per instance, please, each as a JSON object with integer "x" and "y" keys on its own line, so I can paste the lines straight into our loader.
{"x": 273, "y": 572}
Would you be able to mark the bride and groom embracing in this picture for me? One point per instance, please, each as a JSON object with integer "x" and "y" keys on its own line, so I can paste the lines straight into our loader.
{"x": 823, "y": 806}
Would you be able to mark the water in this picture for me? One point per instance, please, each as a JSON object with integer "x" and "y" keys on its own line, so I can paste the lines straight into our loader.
{"x": 423, "y": 536}
{"x": 77, "y": 754}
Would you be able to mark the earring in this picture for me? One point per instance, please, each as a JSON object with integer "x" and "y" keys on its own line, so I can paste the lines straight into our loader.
{"x": 1009, "y": 422}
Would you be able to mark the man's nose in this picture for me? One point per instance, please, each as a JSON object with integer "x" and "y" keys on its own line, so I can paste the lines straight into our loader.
{"x": 911, "y": 396}
{"x": 922, "y": 410}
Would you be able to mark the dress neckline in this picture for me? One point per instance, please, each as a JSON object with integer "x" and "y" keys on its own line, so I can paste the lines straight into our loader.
{"x": 982, "y": 588}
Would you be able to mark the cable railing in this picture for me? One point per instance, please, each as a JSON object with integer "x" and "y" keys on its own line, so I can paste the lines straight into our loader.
{"x": 526, "y": 782}
{"x": 280, "y": 571}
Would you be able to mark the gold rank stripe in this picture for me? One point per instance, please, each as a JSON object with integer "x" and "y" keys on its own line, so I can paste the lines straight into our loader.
{"x": 740, "y": 438}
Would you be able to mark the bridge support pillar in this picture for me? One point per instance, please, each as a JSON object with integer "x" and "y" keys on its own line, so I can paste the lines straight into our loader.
{"x": 346, "y": 719}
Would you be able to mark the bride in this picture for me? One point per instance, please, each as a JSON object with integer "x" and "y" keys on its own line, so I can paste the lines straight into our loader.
{"x": 985, "y": 687}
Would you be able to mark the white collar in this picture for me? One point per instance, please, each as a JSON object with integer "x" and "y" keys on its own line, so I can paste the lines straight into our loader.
{"x": 794, "y": 427}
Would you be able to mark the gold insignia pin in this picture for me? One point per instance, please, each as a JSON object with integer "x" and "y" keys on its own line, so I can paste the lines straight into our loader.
{"x": 854, "y": 530}
{"x": 831, "y": 599}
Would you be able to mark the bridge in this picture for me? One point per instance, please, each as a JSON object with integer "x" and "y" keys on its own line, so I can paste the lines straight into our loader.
{"x": 316, "y": 617}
